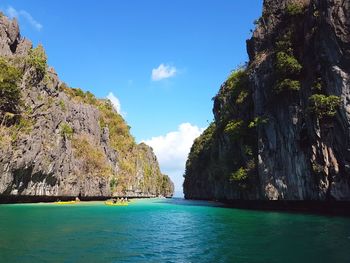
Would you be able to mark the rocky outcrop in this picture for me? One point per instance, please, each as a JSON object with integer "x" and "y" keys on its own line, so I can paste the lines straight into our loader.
{"x": 281, "y": 129}
{"x": 64, "y": 142}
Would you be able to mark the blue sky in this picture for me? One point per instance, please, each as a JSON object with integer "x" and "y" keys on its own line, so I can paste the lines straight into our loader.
{"x": 113, "y": 46}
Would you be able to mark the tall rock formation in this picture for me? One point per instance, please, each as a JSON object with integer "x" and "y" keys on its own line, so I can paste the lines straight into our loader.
{"x": 282, "y": 123}
{"x": 60, "y": 141}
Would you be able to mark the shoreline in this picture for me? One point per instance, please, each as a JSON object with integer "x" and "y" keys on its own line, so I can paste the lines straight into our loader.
{"x": 22, "y": 199}
{"x": 331, "y": 208}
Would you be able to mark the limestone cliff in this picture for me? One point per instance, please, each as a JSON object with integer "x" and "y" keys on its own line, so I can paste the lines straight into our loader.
{"x": 60, "y": 141}
{"x": 281, "y": 129}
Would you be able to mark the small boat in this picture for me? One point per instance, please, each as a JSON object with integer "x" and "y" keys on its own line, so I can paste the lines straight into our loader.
{"x": 65, "y": 202}
{"x": 111, "y": 203}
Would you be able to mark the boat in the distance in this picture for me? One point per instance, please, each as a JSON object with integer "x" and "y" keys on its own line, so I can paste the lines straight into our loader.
{"x": 111, "y": 203}
{"x": 66, "y": 202}
{"x": 72, "y": 202}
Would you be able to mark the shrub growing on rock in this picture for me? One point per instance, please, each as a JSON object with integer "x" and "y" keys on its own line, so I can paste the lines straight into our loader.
{"x": 288, "y": 68}
{"x": 324, "y": 106}
{"x": 287, "y": 64}
{"x": 10, "y": 93}
{"x": 295, "y": 9}
{"x": 119, "y": 134}
{"x": 287, "y": 84}
{"x": 113, "y": 183}
{"x": 317, "y": 85}
{"x": 237, "y": 79}
{"x": 258, "y": 121}
{"x": 37, "y": 58}
{"x": 284, "y": 43}
{"x": 92, "y": 156}
{"x": 201, "y": 144}
{"x": 62, "y": 105}
{"x": 239, "y": 175}
{"x": 234, "y": 129}
{"x": 24, "y": 125}
{"x": 66, "y": 130}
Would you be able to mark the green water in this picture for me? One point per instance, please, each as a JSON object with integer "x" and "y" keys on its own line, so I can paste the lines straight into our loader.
{"x": 167, "y": 231}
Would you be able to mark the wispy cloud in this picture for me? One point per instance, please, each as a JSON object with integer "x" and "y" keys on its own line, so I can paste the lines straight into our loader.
{"x": 13, "y": 13}
{"x": 172, "y": 150}
{"x": 163, "y": 72}
{"x": 116, "y": 103}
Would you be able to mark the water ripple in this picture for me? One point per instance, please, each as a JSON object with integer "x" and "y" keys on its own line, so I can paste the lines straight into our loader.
{"x": 170, "y": 231}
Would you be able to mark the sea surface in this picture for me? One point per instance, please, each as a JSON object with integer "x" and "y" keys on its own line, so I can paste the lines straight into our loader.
{"x": 172, "y": 230}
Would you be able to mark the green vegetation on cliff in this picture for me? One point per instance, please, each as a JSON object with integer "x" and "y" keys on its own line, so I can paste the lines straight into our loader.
{"x": 37, "y": 59}
{"x": 201, "y": 144}
{"x": 79, "y": 95}
{"x": 239, "y": 175}
{"x": 324, "y": 106}
{"x": 237, "y": 84}
{"x": 15, "y": 116}
{"x": 10, "y": 93}
{"x": 295, "y": 8}
{"x": 288, "y": 68}
{"x": 132, "y": 158}
{"x": 119, "y": 131}
{"x": 235, "y": 127}
{"x": 258, "y": 121}
{"x": 66, "y": 130}
{"x": 287, "y": 85}
{"x": 287, "y": 64}
{"x": 92, "y": 156}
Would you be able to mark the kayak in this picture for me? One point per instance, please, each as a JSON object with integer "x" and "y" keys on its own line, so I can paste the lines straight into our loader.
{"x": 116, "y": 204}
{"x": 65, "y": 202}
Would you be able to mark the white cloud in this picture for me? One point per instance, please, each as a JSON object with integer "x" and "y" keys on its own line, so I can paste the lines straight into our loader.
{"x": 163, "y": 72}
{"x": 115, "y": 102}
{"x": 13, "y": 13}
{"x": 172, "y": 150}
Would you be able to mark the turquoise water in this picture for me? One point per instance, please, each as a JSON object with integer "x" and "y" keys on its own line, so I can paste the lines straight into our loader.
{"x": 167, "y": 231}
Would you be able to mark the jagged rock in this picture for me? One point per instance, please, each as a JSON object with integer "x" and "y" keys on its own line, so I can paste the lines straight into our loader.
{"x": 9, "y": 35}
{"x": 23, "y": 47}
{"x": 13, "y": 33}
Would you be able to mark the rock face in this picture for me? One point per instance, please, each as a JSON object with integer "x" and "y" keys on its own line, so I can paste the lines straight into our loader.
{"x": 63, "y": 142}
{"x": 281, "y": 129}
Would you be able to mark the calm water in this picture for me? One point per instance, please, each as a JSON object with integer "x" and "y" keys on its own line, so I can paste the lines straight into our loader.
{"x": 167, "y": 231}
